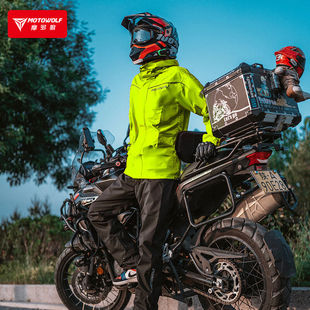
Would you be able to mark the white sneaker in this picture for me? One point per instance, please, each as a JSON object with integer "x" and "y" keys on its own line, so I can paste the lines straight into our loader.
{"x": 126, "y": 277}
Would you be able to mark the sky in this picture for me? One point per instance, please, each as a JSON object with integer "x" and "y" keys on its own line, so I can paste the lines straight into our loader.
{"x": 215, "y": 37}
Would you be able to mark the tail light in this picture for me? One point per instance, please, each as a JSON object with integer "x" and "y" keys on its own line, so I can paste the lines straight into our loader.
{"x": 259, "y": 158}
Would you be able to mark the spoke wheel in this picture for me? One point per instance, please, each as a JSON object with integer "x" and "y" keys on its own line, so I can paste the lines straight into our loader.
{"x": 251, "y": 275}
{"x": 261, "y": 287}
{"x": 70, "y": 286}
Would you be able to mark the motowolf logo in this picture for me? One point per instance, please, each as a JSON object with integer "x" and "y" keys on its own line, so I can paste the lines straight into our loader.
{"x": 20, "y": 22}
{"x": 37, "y": 24}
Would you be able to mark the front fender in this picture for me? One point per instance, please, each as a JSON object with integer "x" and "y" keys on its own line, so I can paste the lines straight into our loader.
{"x": 281, "y": 253}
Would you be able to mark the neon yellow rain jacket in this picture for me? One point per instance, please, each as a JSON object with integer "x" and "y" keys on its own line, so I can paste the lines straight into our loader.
{"x": 162, "y": 96}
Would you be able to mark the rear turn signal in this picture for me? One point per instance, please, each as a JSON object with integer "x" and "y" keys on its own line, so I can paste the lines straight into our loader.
{"x": 259, "y": 158}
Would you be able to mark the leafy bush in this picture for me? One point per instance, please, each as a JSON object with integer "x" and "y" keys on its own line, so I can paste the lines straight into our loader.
{"x": 301, "y": 250}
{"x": 293, "y": 162}
{"x": 21, "y": 272}
{"x": 29, "y": 246}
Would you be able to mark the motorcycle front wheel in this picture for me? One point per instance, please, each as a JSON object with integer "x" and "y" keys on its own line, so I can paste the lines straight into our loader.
{"x": 69, "y": 284}
{"x": 251, "y": 282}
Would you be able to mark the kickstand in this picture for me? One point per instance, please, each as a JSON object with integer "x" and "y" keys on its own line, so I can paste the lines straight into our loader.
{"x": 178, "y": 280}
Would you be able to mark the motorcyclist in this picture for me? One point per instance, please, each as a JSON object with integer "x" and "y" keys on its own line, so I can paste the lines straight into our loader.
{"x": 162, "y": 96}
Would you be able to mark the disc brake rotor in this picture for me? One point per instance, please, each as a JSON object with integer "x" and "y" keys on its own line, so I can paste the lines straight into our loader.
{"x": 97, "y": 295}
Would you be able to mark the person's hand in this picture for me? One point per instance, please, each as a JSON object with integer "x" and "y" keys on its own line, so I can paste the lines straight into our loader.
{"x": 290, "y": 81}
{"x": 205, "y": 151}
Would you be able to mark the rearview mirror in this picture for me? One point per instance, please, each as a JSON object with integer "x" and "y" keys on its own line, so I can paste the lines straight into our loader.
{"x": 101, "y": 138}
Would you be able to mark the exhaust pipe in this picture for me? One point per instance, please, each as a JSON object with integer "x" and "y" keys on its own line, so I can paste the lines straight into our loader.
{"x": 257, "y": 205}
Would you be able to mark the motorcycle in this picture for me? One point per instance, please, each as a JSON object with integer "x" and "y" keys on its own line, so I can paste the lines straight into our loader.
{"x": 215, "y": 248}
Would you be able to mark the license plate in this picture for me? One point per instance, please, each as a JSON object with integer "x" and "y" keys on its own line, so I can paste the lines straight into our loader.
{"x": 269, "y": 181}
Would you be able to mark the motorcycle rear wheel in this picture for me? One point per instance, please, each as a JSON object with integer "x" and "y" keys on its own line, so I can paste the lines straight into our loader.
{"x": 262, "y": 286}
{"x": 65, "y": 276}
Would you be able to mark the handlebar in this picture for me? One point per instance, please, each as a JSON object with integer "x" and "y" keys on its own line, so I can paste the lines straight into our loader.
{"x": 116, "y": 161}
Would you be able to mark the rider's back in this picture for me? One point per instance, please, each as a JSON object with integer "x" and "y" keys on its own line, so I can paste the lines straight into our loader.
{"x": 162, "y": 96}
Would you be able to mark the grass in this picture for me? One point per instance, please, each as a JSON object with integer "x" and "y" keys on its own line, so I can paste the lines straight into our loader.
{"x": 301, "y": 250}
{"x": 21, "y": 272}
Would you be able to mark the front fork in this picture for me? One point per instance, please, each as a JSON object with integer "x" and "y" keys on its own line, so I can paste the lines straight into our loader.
{"x": 90, "y": 254}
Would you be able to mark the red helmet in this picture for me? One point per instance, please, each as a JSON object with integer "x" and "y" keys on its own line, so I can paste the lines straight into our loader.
{"x": 152, "y": 37}
{"x": 293, "y": 57}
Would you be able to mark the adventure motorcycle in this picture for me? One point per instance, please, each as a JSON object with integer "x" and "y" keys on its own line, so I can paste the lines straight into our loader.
{"x": 214, "y": 247}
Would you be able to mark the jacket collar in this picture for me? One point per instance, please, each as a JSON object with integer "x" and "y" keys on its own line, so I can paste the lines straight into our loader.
{"x": 154, "y": 65}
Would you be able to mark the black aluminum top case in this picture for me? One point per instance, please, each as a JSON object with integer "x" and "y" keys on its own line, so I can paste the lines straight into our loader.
{"x": 247, "y": 98}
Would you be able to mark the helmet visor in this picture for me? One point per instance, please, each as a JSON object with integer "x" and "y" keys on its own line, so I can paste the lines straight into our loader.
{"x": 140, "y": 36}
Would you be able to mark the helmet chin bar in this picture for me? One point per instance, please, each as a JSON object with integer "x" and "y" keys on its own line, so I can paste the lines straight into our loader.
{"x": 155, "y": 57}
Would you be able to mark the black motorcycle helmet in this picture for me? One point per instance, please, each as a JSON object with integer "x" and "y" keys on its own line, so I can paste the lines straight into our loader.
{"x": 152, "y": 37}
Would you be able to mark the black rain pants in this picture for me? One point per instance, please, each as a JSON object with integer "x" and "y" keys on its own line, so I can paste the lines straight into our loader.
{"x": 156, "y": 201}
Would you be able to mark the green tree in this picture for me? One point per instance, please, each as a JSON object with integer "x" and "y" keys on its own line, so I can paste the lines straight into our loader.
{"x": 282, "y": 159}
{"x": 298, "y": 172}
{"x": 294, "y": 162}
{"x": 47, "y": 87}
